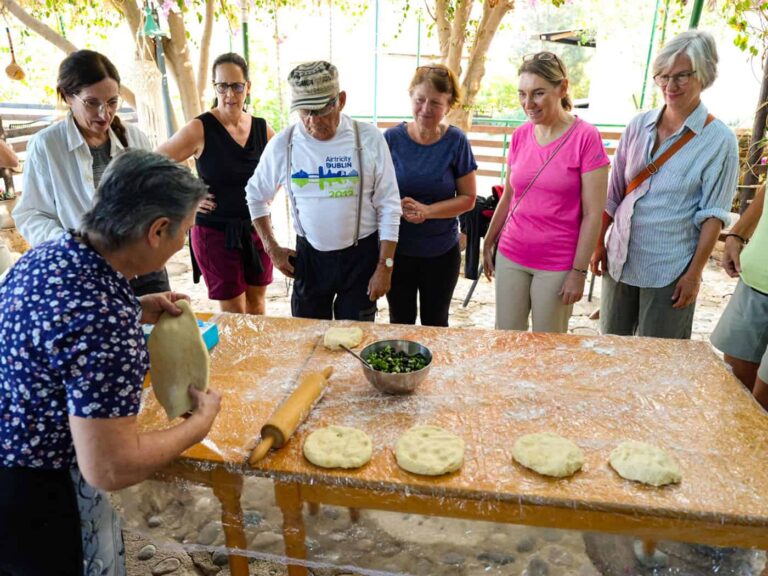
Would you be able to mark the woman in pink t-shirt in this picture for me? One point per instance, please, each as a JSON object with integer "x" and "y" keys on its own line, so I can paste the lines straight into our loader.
{"x": 548, "y": 219}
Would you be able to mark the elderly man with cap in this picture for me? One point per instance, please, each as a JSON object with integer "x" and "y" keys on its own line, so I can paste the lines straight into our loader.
{"x": 339, "y": 176}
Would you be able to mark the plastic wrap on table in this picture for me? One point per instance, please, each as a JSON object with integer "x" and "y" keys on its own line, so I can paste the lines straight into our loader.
{"x": 491, "y": 387}
{"x": 257, "y": 362}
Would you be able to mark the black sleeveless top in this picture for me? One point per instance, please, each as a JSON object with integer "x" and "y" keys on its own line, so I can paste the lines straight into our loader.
{"x": 226, "y": 167}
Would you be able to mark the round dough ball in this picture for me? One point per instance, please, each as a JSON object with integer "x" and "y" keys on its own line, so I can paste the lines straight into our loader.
{"x": 548, "y": 454}
{"x": 429, "y": 450}
{"x": 644, "y": 463}
{"x": 338, "y": 447}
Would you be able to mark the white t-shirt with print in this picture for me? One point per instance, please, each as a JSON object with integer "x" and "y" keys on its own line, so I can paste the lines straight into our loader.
{"x": 325, "y": 183}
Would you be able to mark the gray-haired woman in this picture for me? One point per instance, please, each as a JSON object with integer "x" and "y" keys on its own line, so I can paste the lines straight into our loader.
{"x": 71, "y": 383}
{"x": 665, "y": 227}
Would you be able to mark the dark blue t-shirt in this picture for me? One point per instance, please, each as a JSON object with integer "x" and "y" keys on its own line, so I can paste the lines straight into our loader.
{"x": 428, "y": 174}
{"x": 72, "y": 344}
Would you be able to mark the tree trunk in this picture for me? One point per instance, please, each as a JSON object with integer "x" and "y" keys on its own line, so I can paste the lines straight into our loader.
{"x": 179, "y": 61}
{"x": 458, "y": 35}
{"x": 205, "y": 50}
{"x": 756, "y": 144}
{"x": 493, "y": 13}
{"x": 443, "y": 28}
{"x": 134, "y": 16}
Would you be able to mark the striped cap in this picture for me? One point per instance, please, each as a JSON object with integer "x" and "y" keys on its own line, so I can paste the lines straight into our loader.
{"x": 313, "y": 85}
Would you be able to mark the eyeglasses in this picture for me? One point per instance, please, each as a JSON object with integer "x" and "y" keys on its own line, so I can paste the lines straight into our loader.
{"x": 546, "y": 57}
{"x": 95, "y": 106}
{"x": 681, "y": 78}
{"x": 324, "y": 111}
{"x": 222, "y": 87}
{"x": 436, "y": 70}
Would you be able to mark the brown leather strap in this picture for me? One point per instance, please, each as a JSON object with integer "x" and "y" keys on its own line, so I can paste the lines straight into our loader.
{"x": 656, "y": 165}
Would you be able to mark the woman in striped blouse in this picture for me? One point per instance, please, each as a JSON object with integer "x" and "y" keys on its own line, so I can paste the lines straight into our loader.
{"x": 665, "y": 229}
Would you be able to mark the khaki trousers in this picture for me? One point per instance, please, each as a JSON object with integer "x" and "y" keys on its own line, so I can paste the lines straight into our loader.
{"x": 523, "y": 291}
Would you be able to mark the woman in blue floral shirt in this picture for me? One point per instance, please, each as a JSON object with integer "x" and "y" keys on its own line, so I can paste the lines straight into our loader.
{"x": 72, "y": 369}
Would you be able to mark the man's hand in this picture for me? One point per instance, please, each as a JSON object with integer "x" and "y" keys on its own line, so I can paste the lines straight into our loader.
{"x": 599, "y": 261}
{"x": 732, "y": 256}
{"x": 573, "y": 288}
{"x": 153, "y": 305}
{"x": 280, "y": 258}
{"x": 686, "y": 290}
{"x": 380, "y": 283}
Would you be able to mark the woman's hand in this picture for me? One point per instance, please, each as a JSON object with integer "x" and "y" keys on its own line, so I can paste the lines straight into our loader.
{"x": 732, "y": 256}
{"x": 205, "y": 405}
{"x": 686, "y": 290}
{"x": 599, "y": 261}
{"x": 573, "y": 288}
{"x": 153, "y": 305}
{"x": 413, "y": 211}
{"x": 207, "y": 204}
{"x": 489, "y": 251}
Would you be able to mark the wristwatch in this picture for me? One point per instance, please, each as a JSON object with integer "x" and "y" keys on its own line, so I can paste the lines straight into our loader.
{"x": 387, "y": 262}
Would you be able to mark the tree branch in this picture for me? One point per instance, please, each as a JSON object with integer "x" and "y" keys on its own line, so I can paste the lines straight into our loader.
{"x": 443, "y": 28}
{"x": 178, "y": 59}
{"x": 39, "y": 27}
{"x": 458, "y": 34}
{"x": 205, "y": 50}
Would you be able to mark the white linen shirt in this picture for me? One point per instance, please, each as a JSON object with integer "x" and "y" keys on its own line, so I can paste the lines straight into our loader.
{"x": 57, "y": 185}
{"x": 325, "y": 188}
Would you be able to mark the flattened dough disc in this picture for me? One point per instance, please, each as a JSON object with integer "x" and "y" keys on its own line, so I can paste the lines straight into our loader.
{"x": 429, "y": 450}
{"x": 548, "y": 454}
{"x": 178, "y": 357}
{"x": 350, "y": 337}
{"x": 644, "y": 463}
{"x": 338, "y": 447}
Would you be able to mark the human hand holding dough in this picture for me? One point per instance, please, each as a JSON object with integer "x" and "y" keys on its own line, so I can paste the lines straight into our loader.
{"x": 338, "y": 447}
{"x": 548, "y": 454}
{"x": 429, "y": 450}
{"x": 349, "y": 337}
{"x": 178, "y": 358}
{"x": 644, "y": 463}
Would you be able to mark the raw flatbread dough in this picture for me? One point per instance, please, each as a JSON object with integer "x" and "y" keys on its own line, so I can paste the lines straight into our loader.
{"x": 548, "y": 454}
{"x": 338, "y": 447}
{"x": 350, "y": 337}
{"x": 644, "y": 463}
{"x": 429, "y": 450}
{"x": 177, "y": 358}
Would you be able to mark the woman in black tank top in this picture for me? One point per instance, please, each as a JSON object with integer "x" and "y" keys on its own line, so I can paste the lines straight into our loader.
{"x": 227, "y": 144}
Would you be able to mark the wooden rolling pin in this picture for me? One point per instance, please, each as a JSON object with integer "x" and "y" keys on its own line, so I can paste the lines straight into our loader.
{"x": 292, "y": 412}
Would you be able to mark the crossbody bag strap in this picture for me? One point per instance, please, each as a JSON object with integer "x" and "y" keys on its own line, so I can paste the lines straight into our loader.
{"x": 360, "y": 181}
{"x": 288, "y": 168}
{"x": 544, "y": 165}
{"x": 655, "y": 165}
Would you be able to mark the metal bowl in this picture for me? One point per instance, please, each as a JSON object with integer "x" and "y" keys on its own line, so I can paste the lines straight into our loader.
{"x": 390, "y": 383}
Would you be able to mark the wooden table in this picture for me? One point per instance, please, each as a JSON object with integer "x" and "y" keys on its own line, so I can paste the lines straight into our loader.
{"x": 490, "y": 387}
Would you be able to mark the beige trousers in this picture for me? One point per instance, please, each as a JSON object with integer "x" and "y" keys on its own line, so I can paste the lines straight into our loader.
{"x": 523, "y": 291}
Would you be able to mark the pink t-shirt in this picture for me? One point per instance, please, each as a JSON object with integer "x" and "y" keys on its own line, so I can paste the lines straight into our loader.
{"x": 544, "y": 229}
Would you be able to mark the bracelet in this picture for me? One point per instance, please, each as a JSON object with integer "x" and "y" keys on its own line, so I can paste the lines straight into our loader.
{"x": 580, "y": 271}
{"x": 741, "y": 238}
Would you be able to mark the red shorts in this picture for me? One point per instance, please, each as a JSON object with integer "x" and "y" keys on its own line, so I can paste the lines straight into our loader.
{"x": 223, "y": 270}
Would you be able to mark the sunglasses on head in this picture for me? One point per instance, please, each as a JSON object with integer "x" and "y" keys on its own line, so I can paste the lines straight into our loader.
{"x": 222, "y": 87}
{"x": 545, "y": 57}
{"x": 437, "y": 71}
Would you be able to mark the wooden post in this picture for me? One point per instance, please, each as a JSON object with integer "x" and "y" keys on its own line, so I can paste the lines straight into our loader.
{"x": 756, "y": 145}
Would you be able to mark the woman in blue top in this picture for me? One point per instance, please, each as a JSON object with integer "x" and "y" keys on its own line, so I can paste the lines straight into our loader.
{"x": 436, "y": 176}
